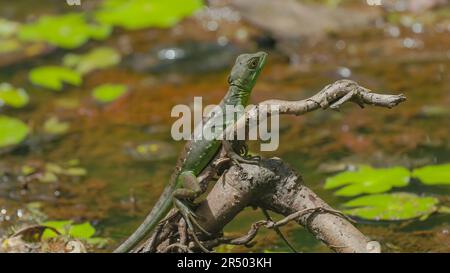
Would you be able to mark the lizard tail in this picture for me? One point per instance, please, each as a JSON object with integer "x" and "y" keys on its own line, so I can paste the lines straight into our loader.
{"x": 161, "y": 208}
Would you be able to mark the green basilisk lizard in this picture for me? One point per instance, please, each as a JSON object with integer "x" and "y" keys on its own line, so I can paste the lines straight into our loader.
{"x": 198, "y": 153}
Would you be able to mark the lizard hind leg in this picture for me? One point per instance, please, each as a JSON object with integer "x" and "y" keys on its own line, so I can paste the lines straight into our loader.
{"x": 183, "y": 198}
{"x": 189, "y": 217}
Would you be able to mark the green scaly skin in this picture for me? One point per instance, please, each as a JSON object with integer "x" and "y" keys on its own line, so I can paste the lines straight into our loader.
{"x": 198, "y": 153}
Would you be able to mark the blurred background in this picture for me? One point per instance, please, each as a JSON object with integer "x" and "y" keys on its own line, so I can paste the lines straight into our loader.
{"x": 86, "y": 93}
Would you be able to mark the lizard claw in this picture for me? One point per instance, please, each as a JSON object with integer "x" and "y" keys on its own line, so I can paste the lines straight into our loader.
{"x": 190, "y": 217}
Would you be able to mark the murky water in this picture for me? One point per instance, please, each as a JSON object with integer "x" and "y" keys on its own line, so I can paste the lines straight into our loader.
{"x": 118, "y": 191}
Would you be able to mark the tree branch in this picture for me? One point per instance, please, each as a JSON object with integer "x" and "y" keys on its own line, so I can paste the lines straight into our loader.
{"x": 272, "y": 185}
{"x": 331, "y": 96}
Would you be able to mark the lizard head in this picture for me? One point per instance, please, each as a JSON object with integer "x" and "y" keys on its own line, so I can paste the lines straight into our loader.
{"x": 246, "y": 70}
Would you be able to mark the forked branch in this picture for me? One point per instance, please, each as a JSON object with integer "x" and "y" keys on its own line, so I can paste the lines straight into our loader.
{"x": 273, "y": 185}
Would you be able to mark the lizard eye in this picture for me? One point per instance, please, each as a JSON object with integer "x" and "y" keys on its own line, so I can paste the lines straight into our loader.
{"x": 253, "y": 63}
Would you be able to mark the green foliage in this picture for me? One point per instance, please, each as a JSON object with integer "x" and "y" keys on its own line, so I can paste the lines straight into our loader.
{"x": 53, "y": 77}
{"x": 108, "y": 92}
{"x": 433, "y": 175}
{"x": 14, "y": 97}
{"x": 67, "y": 228}
{"x": 368, "y": 180}
{"x": 8, "y": 28}
{"x": 68, "y": 31}
{"x": 53, "y": 172}
{"x": 395, "y": 206}
{"x": 84, "y": 231}
{"x": 12, "y": 131}
{"x": 54, "y": 126}
{"x": 101, "y": 57}
{"x": 151, "y": 151}
{"x": 138, "y": 14}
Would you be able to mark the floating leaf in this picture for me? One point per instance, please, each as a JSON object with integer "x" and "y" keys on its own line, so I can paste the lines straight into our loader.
{"x": 151, "y": 151}
{"x": 48, "y": 177}
{"x": 67, "y": 31}
{"x": 75, "y": 171}
{"x": 73, "y": 162}
{"x": 12, "y": 131}
{"x": 96, "y": 59}
{"x": 61, "y": 226}
{"x": 82, "y": 231}
{"x": 138, "y": 14}
{"x": 108, "y": 92}
{"x": 53, "y": 77}
{"x": 8, "y": 28}
{"x": 27, "y": 170}
{"x": 395, "y": 206}
{"x": 54, "y": 168}
{"x": 444, "y": 209}
{"x": 368, "y": 180}
{"x": 434, "y": 174}
{"x": 78, "y": 231}
{"x": 54, "y": 126}
{"x": 14, "y": 97}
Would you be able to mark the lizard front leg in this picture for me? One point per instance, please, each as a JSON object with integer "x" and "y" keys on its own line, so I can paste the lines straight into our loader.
{"x": 237, "y": 158}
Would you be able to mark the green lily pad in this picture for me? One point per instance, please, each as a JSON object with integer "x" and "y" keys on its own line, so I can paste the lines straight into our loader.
{"x": 27, "y": 170}
{"x": 8, "y": 28}
{"x": 53, "y": 77}
{"x": 151, "y": 151}
{"x": 368, "y": 180}
{"x": 12, "y": 131}
{"x": 138, "y": 14}
{"x": 395, "y": 206}
{"x": 98, "y": 58}
{"x": 82, "y": 231}
{"x": 108, "y": 92}
{"x": 68, "y": 31}
{"x": 14, "y": 97}
{"x": 48, "y": 177}
{"x": 434, "y": 174}
{"x": 54, "y": 126}
{"x": 75, "y": 171}
{"x": 77, "y": 231}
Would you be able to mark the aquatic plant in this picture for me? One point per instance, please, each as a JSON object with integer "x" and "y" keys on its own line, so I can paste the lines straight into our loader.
{"x": 433, "y": 175}
{"x": 53, "y": 77}
{"x": 394, "y": 206}
{"x": 13, "y": 97}
{"x": 12, "y": 131}
{"x": 98, "y": 58}
{"x": 84, "y": 231}
{"x": 8, "y": 28}
{"x": 107, "y": 93}
{"x": 80, "y": 231}
{"x": 53, "y": 172}
{"x": 68, "y": 31}
{"x": 138, "y": 14}
{"x": 151, "y": 151}
{"x": 53, "y": 126}
{"x": 368, "y": 180}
